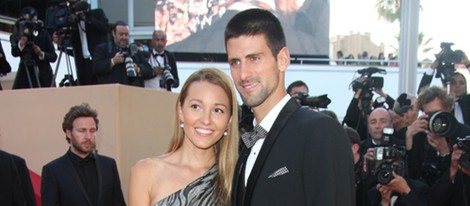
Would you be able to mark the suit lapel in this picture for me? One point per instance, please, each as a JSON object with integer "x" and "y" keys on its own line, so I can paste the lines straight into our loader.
{"x": 77, "y": 179}
{"x": 239, "y": 177}
{"x": 273, "y": 134}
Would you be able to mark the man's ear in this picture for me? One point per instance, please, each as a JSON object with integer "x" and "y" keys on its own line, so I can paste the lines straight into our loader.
{"x": 355, "y": 148}
{"x": 283, "y": 59}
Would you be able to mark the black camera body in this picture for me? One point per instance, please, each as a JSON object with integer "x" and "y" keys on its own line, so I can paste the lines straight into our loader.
{"x": 168, "y": 77}
{"x": 393, "y": 161}
{"x": 367, "y": 86}
{"x": 321, "y": 101}
{"x": 464, "y": 144}
{"x": 446, "y": 61}
{"x": 129, "y": 53}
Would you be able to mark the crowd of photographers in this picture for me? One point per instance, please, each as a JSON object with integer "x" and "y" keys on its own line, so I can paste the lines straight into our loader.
{"x": 410, "y": 150}
{"x": 101, "y": 57}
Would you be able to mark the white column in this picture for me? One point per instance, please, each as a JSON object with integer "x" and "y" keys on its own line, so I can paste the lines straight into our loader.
{"x": 408, "y": 51}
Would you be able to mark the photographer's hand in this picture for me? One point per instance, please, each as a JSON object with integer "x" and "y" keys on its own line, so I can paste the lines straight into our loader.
{"x": 369, "y": 155}
{"x": 117, "y": 59}
{"x": 419, "y": 125}
{"x": 23, "y": 42}
{"x": 385, "y": 193}
{"x": 398, "y": 184}
{"x": 137, "y": 69}
{"x": 438, "y": 143}
{"x": 455, "y": 164}
{"x": 157, "y": 70}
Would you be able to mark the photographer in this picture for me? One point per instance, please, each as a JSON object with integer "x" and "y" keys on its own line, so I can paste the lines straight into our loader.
{"x": 361, "y": 104}
{"x": 452, "y": 188}
{"x": 399, "y": 191}
{"x": 119, "y": 62}
{"x": 33, "y": 45}
{"x": 161, "y": 60}
{"x": 5, "y": 67}
{"x": 88, "y": 28}
{"x": 428, "y": 149}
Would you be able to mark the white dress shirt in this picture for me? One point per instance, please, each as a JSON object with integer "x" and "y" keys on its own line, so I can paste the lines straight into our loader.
{"x": 267, "y": 123}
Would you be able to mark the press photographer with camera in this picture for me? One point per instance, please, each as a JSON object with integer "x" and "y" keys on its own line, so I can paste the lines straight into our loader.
{"x": 85, "y": 28}
{"x": 452, "y": 188}
{"x": 120, "y": 62}
{"x": 429, "y": 139}
{"x": 33, "y": 45}
{"x": 362, "y": 102}
{"x": 447, "y": 65}
{"x": 163, "y": 62}
{"x": 299, "y": 90}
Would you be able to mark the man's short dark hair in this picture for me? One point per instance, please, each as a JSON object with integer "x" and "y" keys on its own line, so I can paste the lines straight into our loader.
{"x": 297, "y": 83}
{"x": 354, "y": 137}
{"x": 83, "y": 110}
{"x": 253, "y": 22}
{"x": 119, "y": 23}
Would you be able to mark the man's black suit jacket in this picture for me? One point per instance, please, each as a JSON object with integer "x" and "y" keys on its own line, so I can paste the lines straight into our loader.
{"x": 62, "y": 186}
{"x": 96, "y": 29}
{"x": 10, "y": 183}
{"x": 317, "y": 154}
{"x": 117, "y": 74}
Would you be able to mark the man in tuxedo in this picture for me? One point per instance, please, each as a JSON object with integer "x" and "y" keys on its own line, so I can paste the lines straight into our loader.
{"x": 90, "y": 29}
{"x": 161, "y": 59}
{"x": 119, "y": 62}
{"x": 301, "y": 157}
{"x": 81, "y": 177}
{"x": 32, "y": 43}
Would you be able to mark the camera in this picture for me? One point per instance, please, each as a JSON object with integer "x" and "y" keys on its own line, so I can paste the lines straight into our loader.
{"x": 384, "y": 173}
{"x": 464, "y": 144}
{"x": 393, "y": 161}
{"x": 446, "y": 60}
{"x": 442, "y": 124}
{"x": 168, "y": 76}
{"x": 367, "y": 86}
{"x": 321, "y": 101}
{"x": 128, "y": 53}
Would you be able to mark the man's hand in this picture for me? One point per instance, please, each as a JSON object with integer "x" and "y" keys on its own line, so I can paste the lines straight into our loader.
{"x": 37, "y": 50}
{"x": 157, "y": 70}
{"x": 455, "y": 165}
{"x": 385, "y": 193}
{"x": 398, "y": 184}
{"x": 369, "y": 155}
{"x": 118, "y": 58}
{"x": 438, "y": 143}
{"x": 419, "y": 125}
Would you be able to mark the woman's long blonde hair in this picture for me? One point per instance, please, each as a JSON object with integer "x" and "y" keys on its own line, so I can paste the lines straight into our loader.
{"x": 226, "y": 152}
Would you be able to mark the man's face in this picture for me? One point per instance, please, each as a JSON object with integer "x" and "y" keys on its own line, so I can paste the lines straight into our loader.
{"x": 258, "y": 76}
{"x": 433, "y": 106}
{"x": 159, "y": 40}
{"x": 378, "y": 119}
{"x": 82, "y": 136}
{"x": 295, "y": 92}
{"x": 121, "y": 36}
{"x": 458, "y": 86}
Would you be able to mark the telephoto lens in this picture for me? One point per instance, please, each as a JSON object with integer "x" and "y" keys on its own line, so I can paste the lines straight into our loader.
{"x": 442, "y": 124}
{"x": 130, "y": 67}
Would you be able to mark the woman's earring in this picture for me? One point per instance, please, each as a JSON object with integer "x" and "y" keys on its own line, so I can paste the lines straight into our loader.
{"x": 182, "y": 125}
{"x": 225, "y": 133}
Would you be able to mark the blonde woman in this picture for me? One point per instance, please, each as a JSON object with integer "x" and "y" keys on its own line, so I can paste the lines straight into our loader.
{"x": 199, "y": 165}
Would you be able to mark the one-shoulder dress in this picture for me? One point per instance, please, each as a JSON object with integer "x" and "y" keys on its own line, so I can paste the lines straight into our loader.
{"x": 198, "y": 192}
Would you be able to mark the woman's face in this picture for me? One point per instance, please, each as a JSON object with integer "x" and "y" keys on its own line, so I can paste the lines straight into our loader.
{"x": 458, "y": 86}
{"x": 205, "y": 114}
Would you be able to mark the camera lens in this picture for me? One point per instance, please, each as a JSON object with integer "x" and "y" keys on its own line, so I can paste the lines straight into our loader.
{"x": 442, "y": 123}
{"x": 384, "y": 176}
